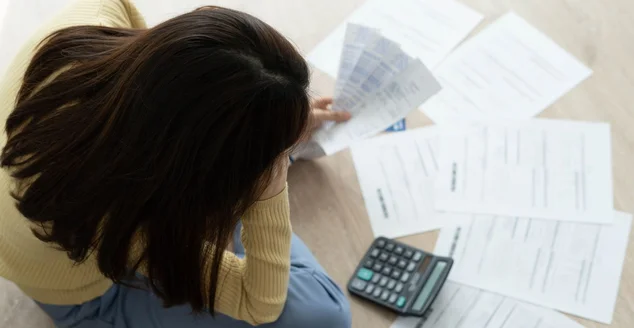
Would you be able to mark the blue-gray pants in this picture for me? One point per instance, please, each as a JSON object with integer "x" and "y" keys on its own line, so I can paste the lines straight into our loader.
{"x": 314, "y": 301}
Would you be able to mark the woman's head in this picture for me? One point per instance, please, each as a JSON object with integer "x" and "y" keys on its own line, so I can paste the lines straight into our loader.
{"x": 164, "y": 135}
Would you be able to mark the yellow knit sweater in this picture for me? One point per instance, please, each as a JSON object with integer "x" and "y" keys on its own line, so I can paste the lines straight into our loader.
{"x": 252, "y": 289}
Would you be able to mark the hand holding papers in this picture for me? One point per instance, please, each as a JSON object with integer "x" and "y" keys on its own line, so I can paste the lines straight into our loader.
{"x": 378, "y": 84}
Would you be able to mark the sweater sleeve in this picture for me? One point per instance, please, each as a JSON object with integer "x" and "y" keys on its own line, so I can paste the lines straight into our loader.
{"x": 254, "y": 289}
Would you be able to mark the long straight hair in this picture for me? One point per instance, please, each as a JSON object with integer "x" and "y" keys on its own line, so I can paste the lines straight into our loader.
{"x": 163, "y": 136}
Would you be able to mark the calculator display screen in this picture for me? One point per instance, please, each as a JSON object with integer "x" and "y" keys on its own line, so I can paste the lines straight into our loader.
{"x": 429, "y": 286}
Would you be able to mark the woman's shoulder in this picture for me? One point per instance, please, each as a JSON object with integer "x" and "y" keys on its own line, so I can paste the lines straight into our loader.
{"x": 112, "y": 13}
{"x": 120, "y": 13}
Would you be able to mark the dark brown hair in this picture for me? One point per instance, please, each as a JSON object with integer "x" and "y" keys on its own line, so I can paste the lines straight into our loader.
{"x": 166, "y": 135}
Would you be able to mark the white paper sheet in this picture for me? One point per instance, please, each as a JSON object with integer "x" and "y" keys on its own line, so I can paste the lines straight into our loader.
{"x": 425, "y": 29}
{"x": 381, "y": 109}
{"x": 368, "y": 62}
{"x": 508, "y": 71}
{"x": 572, "y": 267}
{"x": 460, "y": 306}
{"x": 396, "y": 173}
{"x": 541, "y": 168}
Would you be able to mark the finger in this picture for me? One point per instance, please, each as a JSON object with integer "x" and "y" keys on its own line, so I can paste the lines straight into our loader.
{"x": 328, "y": 115}
{"x": 322, "y": 103}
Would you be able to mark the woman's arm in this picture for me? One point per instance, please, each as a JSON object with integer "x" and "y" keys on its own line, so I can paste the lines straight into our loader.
{"x": 254, "y": 289}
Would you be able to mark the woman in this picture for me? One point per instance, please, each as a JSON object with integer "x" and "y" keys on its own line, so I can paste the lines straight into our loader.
{"x": 134, "y": 156}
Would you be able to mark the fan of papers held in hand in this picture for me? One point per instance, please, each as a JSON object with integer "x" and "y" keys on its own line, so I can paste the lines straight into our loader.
{"x": 378, "y": 83}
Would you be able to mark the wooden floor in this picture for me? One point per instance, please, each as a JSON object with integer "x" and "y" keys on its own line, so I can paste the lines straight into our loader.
{"x": 327, "y": 207}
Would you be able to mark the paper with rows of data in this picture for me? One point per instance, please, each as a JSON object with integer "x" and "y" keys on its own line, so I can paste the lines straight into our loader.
{"x": 425, "y": 29}
{"x": 542, "y": 168}
{"x": 378, "y": 84}
{"x": 396, "y": 173}
{"x": 572, "y": 267}
{"x": 461, "y": 306}
{"x": 509, "y": 71}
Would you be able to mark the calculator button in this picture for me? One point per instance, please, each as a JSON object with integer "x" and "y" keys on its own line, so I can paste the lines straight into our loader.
{"x": 398, "y": 288}
{"x": 374, "y": 252}
{"x": 396, "y": 274}
{"x": 389, "y": 247}
{"x": 393, "y": 298}
{"x": 393, "y": 260}
{"x": 400, "y": 302}
{"x": 369, "y": 289}
{"x": 377, "y": 267}
{"x": 380, "y": 243}
{"x": 408, "y": 254}
{"x": 398, "y": 250}
{"x": 386, "y": 271}
{"x": 383, "y": 257}
{"x": 375, "y": 278}
{"x": 364, "y": 274}
{"x": 411, "y": 266}
{"x": 358, "y": 284}
{"x": 402, "y": 264}
{"x": 417, "y": 256}
{"x": 377, "y": 292}
{"x": 405, "y": 277}
{"x": 385, "y": 295}
{"x": 383, "y": 282}
{"x": 368, "y": 263}
{"x": 391, "y": 284}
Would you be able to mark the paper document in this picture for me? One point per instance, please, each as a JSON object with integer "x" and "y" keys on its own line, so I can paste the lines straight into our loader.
{"x": 572, "y": 267}
{"x": 460, "y": 306}
{"x": 396, "y": 173}
{"x": 510, "y": 70}
{"x": 425, "y": 29}
{"x": 539, "y": 168}
{"x": 378, "y": 84}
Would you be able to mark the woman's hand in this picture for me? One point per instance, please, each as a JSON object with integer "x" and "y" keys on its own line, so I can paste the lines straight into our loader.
{"x": 277, "y": 182}
{"x": 321, "y": 113}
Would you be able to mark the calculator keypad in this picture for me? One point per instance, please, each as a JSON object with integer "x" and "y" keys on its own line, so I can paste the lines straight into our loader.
{"x": 383, "y": 257}
{"x": 386, "y": 271}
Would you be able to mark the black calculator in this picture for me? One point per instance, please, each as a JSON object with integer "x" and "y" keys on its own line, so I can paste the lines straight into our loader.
{"x": 399, "y": 277}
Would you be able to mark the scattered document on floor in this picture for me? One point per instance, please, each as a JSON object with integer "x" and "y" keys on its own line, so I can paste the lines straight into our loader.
{"x": 378, "y": 84}
{"x": 461, "y": 306}
{"x": 508, "y": 71}
{"x": 572, "y": 267}
{"x": 396, "y": 173}
{"x": 541, "y": 168}
{"x": 425, "y": 29}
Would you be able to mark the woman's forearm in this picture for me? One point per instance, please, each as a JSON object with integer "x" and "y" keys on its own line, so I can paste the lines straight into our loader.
{"x": 254, "y": 289}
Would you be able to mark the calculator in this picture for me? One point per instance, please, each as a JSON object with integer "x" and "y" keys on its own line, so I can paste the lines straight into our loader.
{"x": 399, "y": 277}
